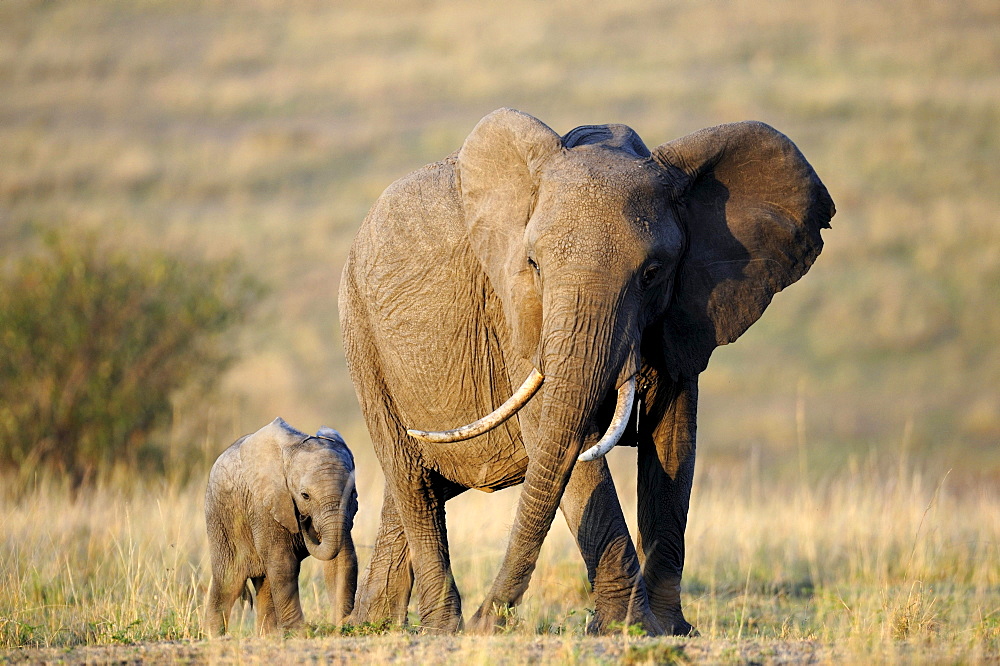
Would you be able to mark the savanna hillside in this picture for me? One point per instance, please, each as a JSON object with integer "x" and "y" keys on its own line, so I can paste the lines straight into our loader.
{"x": 862, "y": 413}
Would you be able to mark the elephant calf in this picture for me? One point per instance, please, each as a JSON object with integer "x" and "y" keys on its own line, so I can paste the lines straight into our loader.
{"x": 273, "y": 498}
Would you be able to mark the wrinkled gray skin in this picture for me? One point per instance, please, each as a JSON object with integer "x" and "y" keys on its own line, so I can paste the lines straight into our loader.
{"x": 273, "y": 498}
{"x": 592, "y": 259}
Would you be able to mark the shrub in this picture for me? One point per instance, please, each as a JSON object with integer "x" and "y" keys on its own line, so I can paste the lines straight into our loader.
{"x": 93, "y": 343}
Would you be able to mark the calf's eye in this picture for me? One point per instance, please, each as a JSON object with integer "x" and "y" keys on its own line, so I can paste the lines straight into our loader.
{"x": 305, "y": 496}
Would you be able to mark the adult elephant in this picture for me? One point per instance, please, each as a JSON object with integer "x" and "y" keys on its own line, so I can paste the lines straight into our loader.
{"x": 604, "y": 273}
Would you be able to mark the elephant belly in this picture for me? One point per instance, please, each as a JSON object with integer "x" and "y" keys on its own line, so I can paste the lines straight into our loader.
{"x": 437, "y": 342}
{"x": 489, "y": 462}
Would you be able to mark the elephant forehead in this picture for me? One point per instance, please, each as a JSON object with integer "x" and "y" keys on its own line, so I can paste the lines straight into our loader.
{"x": 599, "y": 211}
{"x": 319, "y": 463}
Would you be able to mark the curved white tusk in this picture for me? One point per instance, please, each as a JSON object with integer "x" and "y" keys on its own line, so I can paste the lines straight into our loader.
{"x": 626, "y": 396}
{"x": 500, "y": 414}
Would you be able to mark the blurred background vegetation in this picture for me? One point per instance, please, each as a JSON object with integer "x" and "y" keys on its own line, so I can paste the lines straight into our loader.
{"x": 99, "y": 346}
{"x": 186, "y": 153}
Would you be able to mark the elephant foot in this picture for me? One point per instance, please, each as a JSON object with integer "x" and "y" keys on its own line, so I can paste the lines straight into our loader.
{"x": 665, "y": 602}
{"x": 679, "y": 627}
{"x": 373, "y": 622}
{"x": 387, "y": 607}
{"x": 294, "y": 630}
{"x": 441, "y": 631}
{"x": 496, "y": 618}
{"x": 439, "y": 625}
{"x": 445, "y": 619}
{"x": 215, "y": 630}
{"x": 604, "y": 624}
{"x": 264, "y": 629}
{"x": 361, "y": 617}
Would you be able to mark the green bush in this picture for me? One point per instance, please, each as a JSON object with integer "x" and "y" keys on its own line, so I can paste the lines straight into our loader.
{"x": 94, "y": 341}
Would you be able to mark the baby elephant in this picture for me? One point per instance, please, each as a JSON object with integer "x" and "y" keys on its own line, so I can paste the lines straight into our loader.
{"x": 273, "y": 498}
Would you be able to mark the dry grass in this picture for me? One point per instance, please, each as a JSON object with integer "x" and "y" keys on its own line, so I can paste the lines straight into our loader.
{"x": 879, "y": 561}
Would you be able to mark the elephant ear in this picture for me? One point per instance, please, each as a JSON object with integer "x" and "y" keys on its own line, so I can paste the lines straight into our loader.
{"x": 753, "y": 208}
{"x": 263, "y": 455}
{"x": 338, "y": 444}
{"x": 498, "y": 169}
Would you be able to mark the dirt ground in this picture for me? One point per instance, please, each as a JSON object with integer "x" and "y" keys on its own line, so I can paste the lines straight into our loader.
{"x": 440, "y": 650}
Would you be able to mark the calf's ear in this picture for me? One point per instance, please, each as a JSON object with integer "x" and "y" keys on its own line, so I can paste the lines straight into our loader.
{"x": 263, "y": 456}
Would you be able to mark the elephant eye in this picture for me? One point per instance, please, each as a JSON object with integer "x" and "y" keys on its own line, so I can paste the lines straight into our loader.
{"x": 305, "y": 496}
{"x": 650, "y": 273}
{"x": 534, "y": 266}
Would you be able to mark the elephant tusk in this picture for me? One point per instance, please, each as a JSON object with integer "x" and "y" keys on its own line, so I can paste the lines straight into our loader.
{"x": 500, "y": 414}
{"x": 623, "y": 409}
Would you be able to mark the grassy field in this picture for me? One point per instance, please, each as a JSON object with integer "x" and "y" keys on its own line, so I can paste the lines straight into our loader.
{"x": 896, "y": 563}
{"x": 847, "y": 498}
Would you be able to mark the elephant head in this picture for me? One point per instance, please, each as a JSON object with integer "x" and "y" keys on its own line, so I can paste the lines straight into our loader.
{"x": 305, "y": 483}
{"x": 608, "y": 257}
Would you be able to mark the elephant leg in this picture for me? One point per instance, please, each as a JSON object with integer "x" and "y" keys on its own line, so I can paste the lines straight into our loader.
{"x": 385, "y": 586}
{"x": 412, "y": 535}
{"x": 223, "y": 591}
{"x": 387, "y": 582}
{"x": 341, "y": 576}
{"x": 420, "y": 503}
{"x": 666, "y": 472}
{"x": 282, "y": 577}
{"x": 594, "y": 515}
{"x": 267, "y": 619}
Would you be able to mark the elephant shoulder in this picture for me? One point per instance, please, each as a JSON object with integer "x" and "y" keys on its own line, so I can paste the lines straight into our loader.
{"x": 225, "y": 472}
{"x": 421, "y": 202}
{"x": 417, "y": 221}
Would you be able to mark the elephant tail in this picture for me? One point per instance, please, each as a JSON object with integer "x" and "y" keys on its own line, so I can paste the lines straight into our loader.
{"x": 246, "y": 596}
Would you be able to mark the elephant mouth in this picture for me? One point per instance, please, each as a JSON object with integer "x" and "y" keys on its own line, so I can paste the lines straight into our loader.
{"x": 309, "y": 530}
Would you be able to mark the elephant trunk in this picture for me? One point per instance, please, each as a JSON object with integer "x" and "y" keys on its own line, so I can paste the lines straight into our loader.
{"x": 324, "y": 537}
{"x": 583, "y": 359}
